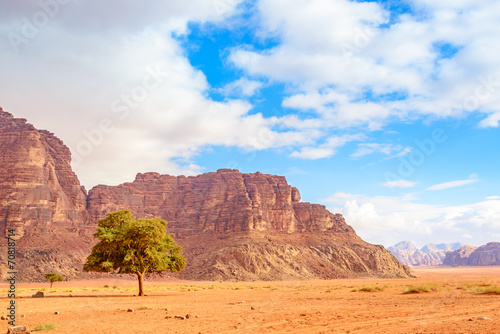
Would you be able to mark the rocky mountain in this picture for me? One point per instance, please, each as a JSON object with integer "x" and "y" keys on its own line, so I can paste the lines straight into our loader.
{"x": 218, "y": 202}
{"x": 431, "y": 248}
{"x": 232, "y": 225}
{"x": 429, "y": 255}
{"x": 41, "y": 198}
{"x": 486, "y": 255}
{"x": 247, "y": 226}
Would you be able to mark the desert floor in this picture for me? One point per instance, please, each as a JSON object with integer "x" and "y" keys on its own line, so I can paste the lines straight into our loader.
{"x": 454, "y": 304}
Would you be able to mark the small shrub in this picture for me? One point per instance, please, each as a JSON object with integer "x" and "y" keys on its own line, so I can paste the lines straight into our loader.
{"x": 106, "y": 286}
{"x": 44, "y": 327}
{"x": 482, "y": 288}
{"x": 493, "y": 290}
{"x": 369, "y": 288}
{"x": 420, "y": 288}
{"x": 372, "y": 288}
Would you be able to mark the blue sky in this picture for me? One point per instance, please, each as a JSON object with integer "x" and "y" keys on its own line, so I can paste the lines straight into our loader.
{"x": 385, "y": 111}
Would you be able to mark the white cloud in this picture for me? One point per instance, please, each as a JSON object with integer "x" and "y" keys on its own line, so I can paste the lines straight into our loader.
{"x": 241, "y": 87}
{"x": 400, "y": 184}
{"x": 388, "y": 220}
{"x": 387, "y": 149}
{"x": 125, "y": 68}
{"x": 326, "y": 149}
{"x": 493, "y": 198}
{"x": 492, "y": 121}
{"x": 454, "y": 184}
{"x": 334, "y": 51}
{"x": 313, "y": 153}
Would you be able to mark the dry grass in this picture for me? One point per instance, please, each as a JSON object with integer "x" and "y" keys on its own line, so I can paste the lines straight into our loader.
{"x": 421, "y": 288}
{"x": 483, "y": 288}
{"x": 369, "y": 288}
{"x": 45, "y": 327}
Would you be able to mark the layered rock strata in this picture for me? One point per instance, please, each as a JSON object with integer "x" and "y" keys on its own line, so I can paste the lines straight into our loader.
{"x": 40, "y": 196}
{"x": 247, "y": 226}
{"x": 232, "y": 225}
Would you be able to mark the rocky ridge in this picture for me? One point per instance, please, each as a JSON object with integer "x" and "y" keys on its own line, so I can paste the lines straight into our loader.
{"x": 467, "y": 255}
{"x": 429, "y": 255}
{"x": 232, "y": 225}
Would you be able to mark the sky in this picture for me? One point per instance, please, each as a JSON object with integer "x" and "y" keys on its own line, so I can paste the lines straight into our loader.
{"x": 385, "y": 111}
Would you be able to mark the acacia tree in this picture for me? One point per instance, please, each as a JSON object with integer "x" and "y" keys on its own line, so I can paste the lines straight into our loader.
{"x": 53, "y": 277}
{"x": 133, "y": 246}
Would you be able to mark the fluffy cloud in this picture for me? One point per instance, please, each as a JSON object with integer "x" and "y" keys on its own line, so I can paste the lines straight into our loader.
{"x": 354, "y": 66}
{"x": 388, "y": 220}
{"x": 112, "y": 80}
{"x": 241, "y": 87}
{"x": 327, "y": 149}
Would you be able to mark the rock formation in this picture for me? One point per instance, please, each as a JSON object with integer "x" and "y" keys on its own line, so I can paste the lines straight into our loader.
{"x": 429, "y": 255}
{"x": 218, "y": 202}
{"x": 247, "y": 226}
{"x": 40, "y": 196}
{"x": 486, "y": 255}
{"x": 232, "y": 225}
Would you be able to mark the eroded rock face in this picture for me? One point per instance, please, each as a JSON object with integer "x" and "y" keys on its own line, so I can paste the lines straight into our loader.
{"x": 38, "y": 190}
{"x": 486, "y": 255}
{"x": 247, "y": 227}
{"x": 40, "y": 196}
{"x": 232, "y": 225}
{"x": 219, "y": 202}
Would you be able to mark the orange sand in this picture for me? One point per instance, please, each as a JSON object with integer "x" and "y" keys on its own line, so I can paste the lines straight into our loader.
{"x": 278, "y": 307}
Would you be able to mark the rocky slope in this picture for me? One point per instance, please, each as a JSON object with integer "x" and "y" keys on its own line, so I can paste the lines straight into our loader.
{"x": 232, "y": 225}
{"x": 429, "y": 255}
{"x": 486, "y": 255}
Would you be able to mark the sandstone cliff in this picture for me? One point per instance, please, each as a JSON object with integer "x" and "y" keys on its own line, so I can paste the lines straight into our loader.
{"x": 40, "y": 196}
{"x": 247, "y": 226}
{"x": 429, "y": 255}
{"x": 217, "y": 202}
{"x": 232, "y": 225}
{"x": 486, "y": 255}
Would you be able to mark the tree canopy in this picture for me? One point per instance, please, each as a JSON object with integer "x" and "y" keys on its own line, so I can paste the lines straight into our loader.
{"x": 53, "y": 277}
{"x": 133, "y": 246}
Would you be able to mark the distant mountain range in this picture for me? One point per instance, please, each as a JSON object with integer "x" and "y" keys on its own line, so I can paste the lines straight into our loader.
{"x": 429, "y": 255}
{"x": 486, "y": 255}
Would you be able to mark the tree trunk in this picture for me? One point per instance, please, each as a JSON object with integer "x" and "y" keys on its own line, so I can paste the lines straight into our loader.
{"x": 141, "y": 281}
{"x": 51, "y": 284}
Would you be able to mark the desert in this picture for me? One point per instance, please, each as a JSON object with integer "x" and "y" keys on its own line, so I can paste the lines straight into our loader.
{"x": 454, "y": 304}
{"x": 249, "y": 166}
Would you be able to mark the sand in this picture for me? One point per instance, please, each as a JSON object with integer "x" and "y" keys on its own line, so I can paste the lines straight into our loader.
{"x": 268, "y": 307}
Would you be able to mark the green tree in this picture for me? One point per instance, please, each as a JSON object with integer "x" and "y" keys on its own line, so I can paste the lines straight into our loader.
{"x": 53, "y": 277}
{"x": 133, "y": 246}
